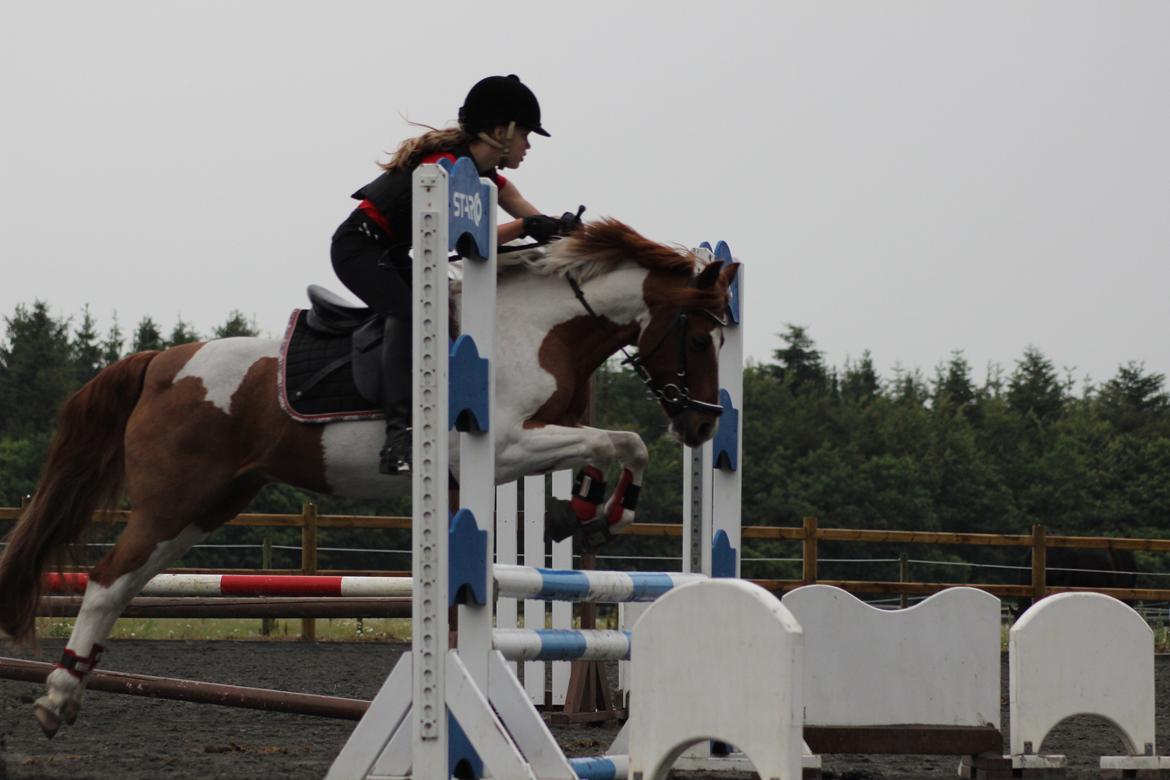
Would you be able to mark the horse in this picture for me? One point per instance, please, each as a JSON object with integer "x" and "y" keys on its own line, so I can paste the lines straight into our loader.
{"x": 193, "y": 432}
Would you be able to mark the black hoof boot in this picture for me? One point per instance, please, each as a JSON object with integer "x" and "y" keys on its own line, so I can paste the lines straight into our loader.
{"x": 560, "y": 521}
{"x": 593, "y": 535}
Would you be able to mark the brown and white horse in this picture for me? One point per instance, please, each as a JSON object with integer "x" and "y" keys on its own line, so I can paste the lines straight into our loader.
{"x": 193, "y": 432}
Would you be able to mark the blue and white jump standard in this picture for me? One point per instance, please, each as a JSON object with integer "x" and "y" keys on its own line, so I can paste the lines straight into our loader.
{"x": 437, "y": 697}
{"x": 442, "y": 708}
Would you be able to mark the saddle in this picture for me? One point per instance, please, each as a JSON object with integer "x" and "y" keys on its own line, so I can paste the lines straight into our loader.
{"x": 330, "y": 361}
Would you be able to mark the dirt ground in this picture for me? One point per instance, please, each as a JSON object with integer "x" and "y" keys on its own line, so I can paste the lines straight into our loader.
{"x": 120, "y": 736}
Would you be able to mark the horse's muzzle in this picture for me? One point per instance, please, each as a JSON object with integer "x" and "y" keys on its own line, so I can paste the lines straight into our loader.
{"x": 694, "y": 428}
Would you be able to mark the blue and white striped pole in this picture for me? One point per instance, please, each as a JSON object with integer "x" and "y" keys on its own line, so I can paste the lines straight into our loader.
{"x": 560, "y": 644}
{"x": 529, "y": 582}
{"x": 602, "y": 768}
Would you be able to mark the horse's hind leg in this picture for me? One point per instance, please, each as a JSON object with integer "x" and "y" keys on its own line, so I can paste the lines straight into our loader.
{"x": 121, "y": 574}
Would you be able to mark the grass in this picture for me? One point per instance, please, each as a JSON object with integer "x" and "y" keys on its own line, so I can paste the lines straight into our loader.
{"x": 328, "y": 629}
{"x": 200, "y": 629}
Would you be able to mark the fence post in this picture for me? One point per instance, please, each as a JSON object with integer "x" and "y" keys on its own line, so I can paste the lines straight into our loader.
{"x": 266, "y": 624}
{"x": 809, "y": 573}
{"x": 903, "y": 576}
{"x": 309, "y": 559}
{"x": 1039, "y": 563}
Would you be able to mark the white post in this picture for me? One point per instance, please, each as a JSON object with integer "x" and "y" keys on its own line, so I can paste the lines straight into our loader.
{"x": 430, "y": 467}
{"x": 534, "y": 611}
{"x": 697, "y": 509}
{"x": 562, "y": 611}
{"x": 507, "y": 538}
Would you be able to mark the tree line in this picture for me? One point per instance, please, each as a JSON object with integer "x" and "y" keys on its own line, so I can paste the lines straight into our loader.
{"x": 943, "y": 452}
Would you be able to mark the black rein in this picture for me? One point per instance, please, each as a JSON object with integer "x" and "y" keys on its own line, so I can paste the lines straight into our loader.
{"x": 675, "y": 397}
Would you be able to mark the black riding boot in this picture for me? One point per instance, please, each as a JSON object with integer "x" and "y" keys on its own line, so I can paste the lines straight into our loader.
{"x": 397, "y": 380}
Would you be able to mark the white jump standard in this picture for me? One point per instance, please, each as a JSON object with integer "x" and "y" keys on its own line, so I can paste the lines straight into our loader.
{"x": 442, "y": 709}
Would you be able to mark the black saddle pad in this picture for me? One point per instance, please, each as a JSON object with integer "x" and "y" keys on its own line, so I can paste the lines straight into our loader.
{"x": 333, "y": 396}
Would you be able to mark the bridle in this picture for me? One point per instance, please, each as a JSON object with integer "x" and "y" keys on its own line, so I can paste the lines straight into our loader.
{"x": 675, "y": 397}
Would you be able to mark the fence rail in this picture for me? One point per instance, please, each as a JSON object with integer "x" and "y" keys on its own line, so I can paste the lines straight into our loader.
{"x": 809, "y": 535}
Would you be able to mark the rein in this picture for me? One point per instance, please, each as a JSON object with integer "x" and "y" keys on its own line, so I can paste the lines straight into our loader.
{"x": 675, "y": 397}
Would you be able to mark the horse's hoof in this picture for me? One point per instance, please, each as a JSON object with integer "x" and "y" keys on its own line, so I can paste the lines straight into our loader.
{"x": 48, "y": 720}
{"x": 593, "y": 535}
{"x": 70, "y": 711}
{"x": 560, "y": 521}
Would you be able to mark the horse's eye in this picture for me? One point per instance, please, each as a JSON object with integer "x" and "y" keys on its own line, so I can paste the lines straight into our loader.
{"x": 701, "y": 342}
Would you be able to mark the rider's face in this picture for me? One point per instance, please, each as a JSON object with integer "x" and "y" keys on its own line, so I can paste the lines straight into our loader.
{"x": 518, "y": 147}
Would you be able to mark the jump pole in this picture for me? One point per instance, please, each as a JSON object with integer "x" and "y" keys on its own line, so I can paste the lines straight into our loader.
{"x": 287, "y": 585}
{"x": 243, "y": 607}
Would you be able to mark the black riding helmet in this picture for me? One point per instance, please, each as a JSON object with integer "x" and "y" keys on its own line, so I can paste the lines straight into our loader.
{"x": 498, "y": 100}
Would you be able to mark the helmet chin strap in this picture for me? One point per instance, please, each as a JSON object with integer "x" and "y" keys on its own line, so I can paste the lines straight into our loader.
{"x": 502, "y": 148}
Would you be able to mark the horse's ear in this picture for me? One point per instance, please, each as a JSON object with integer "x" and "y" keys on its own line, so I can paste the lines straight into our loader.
{"x": 727, "y": 274}
{"x": 707, "y": 277}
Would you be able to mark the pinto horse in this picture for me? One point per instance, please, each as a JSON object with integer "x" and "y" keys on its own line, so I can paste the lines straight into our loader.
{"x": 193, "y": 432}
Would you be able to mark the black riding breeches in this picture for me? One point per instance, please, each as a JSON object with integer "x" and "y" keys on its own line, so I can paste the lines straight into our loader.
{"x": 380, "y": 276}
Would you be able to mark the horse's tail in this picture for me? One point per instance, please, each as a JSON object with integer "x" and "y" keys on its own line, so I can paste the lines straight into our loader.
{"x": 83, "y": 472}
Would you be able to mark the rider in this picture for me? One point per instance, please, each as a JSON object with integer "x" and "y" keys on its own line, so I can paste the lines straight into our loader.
{"x": 371, "y": 248}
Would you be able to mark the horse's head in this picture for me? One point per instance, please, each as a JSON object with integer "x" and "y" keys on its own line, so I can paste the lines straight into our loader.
{"x": 678, "y": 308}
{"x": 678, "y": 348}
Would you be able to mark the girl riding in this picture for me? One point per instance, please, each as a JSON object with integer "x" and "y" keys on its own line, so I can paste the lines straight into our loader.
{"x": 371, "y": 248}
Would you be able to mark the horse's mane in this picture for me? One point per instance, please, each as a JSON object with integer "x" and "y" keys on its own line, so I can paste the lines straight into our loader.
{"x": 600, "y": 247}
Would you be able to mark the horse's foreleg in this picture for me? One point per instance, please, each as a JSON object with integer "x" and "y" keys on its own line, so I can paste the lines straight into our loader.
{"x": 588, "y": 515}
{"x": 623, "y": 503}
{"x": 117, "y": 578}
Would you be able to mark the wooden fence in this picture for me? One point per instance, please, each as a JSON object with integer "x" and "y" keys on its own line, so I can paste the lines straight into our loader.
{"x": 808, "y": 535}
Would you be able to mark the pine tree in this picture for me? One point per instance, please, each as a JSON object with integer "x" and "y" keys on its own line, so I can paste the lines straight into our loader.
{"x": 909, "y": 387}
{"x": 800, "y": 365}
{"x": 112, "y": 345}
{"x": 237, "y": 325}
{"x": 147, "y": 336}
{"x": 182, "y": 333}
{"x": 860, "y": 382}
{"x": 37, "y": 370}
{"x": 1035, "y": 392}
{"x": 87, "y": 351}
{"x": 952, "y": 383}
{"x": 1133, "y": 397}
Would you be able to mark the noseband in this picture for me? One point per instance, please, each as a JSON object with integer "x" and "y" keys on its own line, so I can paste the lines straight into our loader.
{"x": 675, "y": 397}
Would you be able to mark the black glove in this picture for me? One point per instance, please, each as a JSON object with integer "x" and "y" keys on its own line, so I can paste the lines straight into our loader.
{"x": 541, "y": 227}
{"x": 570, "y": 221}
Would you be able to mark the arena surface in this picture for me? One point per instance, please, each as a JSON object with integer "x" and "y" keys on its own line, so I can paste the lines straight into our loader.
{"x": 129, "y": 737}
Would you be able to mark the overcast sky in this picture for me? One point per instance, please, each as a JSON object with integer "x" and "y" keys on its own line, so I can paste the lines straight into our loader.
{"x": 911, "y": 178}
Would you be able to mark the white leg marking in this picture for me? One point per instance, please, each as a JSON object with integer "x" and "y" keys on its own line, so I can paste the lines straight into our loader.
{"x": 100, "y": 607}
